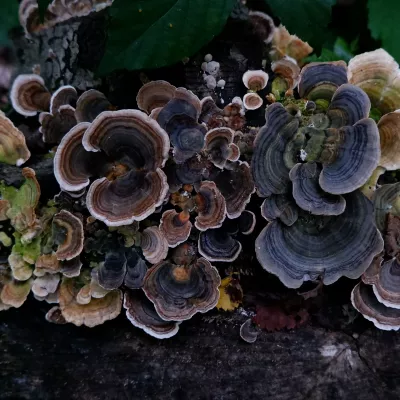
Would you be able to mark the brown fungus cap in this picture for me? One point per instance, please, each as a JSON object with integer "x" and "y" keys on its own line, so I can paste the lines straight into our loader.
{"x": 391, "y": 235}
{"x": 90, "y": 104}
{"x": 210, "y": 114}
{"x": 154, "y": 245}
{"x": 377, "y": 74}
{"x": 140, "y": 148}
{"x": 29, "y": 95}
{"x": 175, "y": 226}
{"x": 220, "y": 146}
{"x": 389, "y": 133}
{"x": 263, "y": 25}
{"x": 47, "y": 264}
{"x": 364, "y": 301}
{"x": 64, "y": 95}
{"x": 320, "y": 246}
{"x": 73, "y": 165}
{"x": 386, "y": 285}
{"x": 54, "y": 315}
{"x": 211, "y": 206}
{"x": 371, "y": 273}
{"x": 270, "y": 173}
{"x": 255, "y": 80}
{"x": 308, "y": 194}
{"x": 55, "y": 126}
{"x": 320, "y": 80}
{"x": 179, "y": 292}
{"x": 13, "y": 148}
{"x": 287, "y": 69}
{"x": 154, "y": 94}
{"x": 141, "y": 313}
{"x": 252, "y": 101}
{"x": 236, "y": 184}
{"x": 184, "y": 254}
{"x": 68, "y": 233}
{"x": 96, "y": 312}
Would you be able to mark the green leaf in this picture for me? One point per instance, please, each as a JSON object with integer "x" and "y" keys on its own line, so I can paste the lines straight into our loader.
{"x": 341, "y": 51}
{"x": 384, "y": 24}
{"x": 308, "y": 19}
{"x": 8, "y": 19}
{"x": 43, "y": 4}
{"x": 155, "y": 33}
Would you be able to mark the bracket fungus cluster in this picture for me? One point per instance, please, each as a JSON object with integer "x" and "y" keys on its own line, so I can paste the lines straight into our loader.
{"x": 157, "y": 202}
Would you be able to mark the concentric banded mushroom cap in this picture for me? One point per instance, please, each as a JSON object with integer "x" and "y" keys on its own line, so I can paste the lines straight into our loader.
{"x": 263, "y": 25}
{"x": 220, "y": 146}
{"x": 350, "y": 169}
{"x": 179, "y": 292}
{"x": 73, "y": 165}
{"x": 386, "y": 199}
{"x": 68, "y": 235}
{"x": 13, "y": 148}
{"x": 112, "y": 271}
{"x": 136, "y": 269}
{"x": 386, "y": 285}
{"x": 211, "y": 206}
{"x": 96, "y": 312}
{"x": 218, "y": 245}
{"x": 91, "y": 104}
{"x": 371, "y": 273}
{"x": 141, "y": 313}
{"x": 252, "y": 101}
{"x": 287, "y": 69}
{"x": 389, "y": 133}
{"x": 319, "y": 80}
{"x": 184, "y": 254}
{"x": 64, "y": 95}
{"x": 236, "y": 185}
{"x": 280, "y": 206}
{"x": 316, "y": 246}
{"x": 271, "y": 175}
{"x": 175, "y": 226}
{"x": 378, "y": 75}
{"x": 391, "y": 235}
{"x": 255, "y": 80}
{"x": 154, "y": 245}
{"x": 14, "y": 293}
{"x": 29, "y": 95}
{"x": 364, "y": 301}
{"x": 247, "y": 222}
{"x": 308, "y": 194}
{"x": 179, "y": 119}
{"x": 154, "y": 94}
{"x": 349, "y": 105}
{"x": 140, "y": 147}
{"x": 210, "y": 114}
{"x": 55, "y": 126}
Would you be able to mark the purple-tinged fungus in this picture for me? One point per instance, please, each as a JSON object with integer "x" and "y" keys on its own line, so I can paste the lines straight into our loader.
{"x": 64, "y": 95}
{"x": 320, "y": 246}
{"x": 263, "y": 25}
{"x": 280, "y": 207}
{"x": 308, "y": 194}
{"x": 141, "y": 313}
{"x": 178, "y": 292}
{"x": 386, "y": 200}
